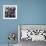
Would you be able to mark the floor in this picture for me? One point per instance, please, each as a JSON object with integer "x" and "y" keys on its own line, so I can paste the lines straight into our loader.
{"x": 30, "y": 43}
{"x": 7, "y": 45}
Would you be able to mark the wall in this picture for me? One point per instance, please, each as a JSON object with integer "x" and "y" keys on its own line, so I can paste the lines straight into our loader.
{"x": 34, "y": 12}
{"x": 7, "y": 26}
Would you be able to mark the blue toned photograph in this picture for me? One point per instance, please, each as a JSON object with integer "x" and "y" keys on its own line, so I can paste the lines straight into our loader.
{"x": 16, "y": 18}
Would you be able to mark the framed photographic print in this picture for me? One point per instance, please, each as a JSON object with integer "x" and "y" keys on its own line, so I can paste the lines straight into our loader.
{"x": 33, "y": 32}
{"x": 9, "y": 11}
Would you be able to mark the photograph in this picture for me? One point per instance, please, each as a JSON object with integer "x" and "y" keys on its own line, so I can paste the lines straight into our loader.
{"x": 9, "y": 11}
{"x": 31, "y": 33}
